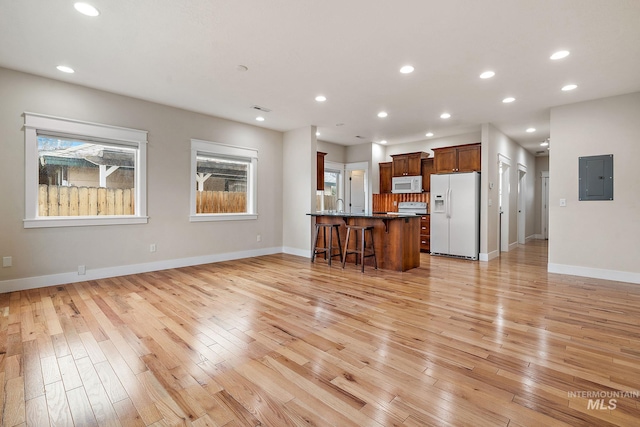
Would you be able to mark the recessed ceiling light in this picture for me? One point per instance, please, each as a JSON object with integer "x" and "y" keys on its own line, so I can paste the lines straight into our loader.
{"x": 429, "y": 134}
{"x": 86, "y": 9}
{"x": 531, "y": 130}
{"x": 317, "y": 133}
{"x": 569, "y": 87}
{"x": 544, "y": 144}
{"x": 382, "y": 114}
{"x": 559, "y": 54}
{"x": 321, "y": 98}
{"x": 508, "y": 99}
{"x": 487, "y": 75}
{"x": 260, "y": 119}
{"x": 445, "y": 115}
{"x": 384, "y": 141}
{"x": 407, "y": 69}
{"x": 65, "y": 69}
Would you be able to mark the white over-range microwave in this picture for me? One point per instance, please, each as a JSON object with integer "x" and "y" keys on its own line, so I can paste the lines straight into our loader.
{"x": 406, "y": 184}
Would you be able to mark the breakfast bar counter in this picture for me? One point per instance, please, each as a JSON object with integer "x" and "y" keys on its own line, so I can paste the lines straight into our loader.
{"x": 396, "y": 236}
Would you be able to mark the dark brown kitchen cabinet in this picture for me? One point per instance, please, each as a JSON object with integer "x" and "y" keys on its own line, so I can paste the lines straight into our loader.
{"x": 320, "y": 171}
{"x": 408, "y": 164}
{"x": 461, "y": 158}
{"x": 386, "y": 170}
{"x": 425, "y": 233}
{"x": 427, "y": 170}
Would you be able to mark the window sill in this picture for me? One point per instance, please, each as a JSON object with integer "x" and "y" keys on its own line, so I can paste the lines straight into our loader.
{"x": 63, "y": 221}
{"x": 222, "y": 217}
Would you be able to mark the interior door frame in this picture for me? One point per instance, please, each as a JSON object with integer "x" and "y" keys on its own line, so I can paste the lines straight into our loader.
{"x": 544, "y": 204}
{"x": 350, "y": 167}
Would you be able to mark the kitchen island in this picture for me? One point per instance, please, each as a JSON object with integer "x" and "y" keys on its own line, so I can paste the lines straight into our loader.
{"x": 397, "y": 237}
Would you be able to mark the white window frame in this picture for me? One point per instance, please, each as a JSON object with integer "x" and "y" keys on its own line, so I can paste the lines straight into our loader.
{"x": 209, "y": 148}
{"x": 93, "y": 132}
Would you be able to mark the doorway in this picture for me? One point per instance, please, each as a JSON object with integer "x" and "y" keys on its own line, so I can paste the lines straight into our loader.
{"x": 544, "y": 226}
{"x": 356, "y": 184}
{"x": 504, "y": 191}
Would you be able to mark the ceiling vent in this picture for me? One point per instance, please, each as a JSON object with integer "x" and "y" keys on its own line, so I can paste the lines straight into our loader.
{"x": 361, "y": 137}
{"x": 539, "y": 152}
{"x": 259, "y": 108}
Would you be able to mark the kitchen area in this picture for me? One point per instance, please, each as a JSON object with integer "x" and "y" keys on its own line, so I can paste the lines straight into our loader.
{"x": 426, "y": 204}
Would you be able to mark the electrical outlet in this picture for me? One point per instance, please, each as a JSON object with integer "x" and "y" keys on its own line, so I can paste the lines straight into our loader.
{"x": 395, "y": 203}
{"x": 152, "y": 247}
{"x": 82, "y": 270}
{"x": 258, "y": 238}
{"x": 563, "y": 202}
{"x": 490, "y": 202}
{"x": 7, "y": 261}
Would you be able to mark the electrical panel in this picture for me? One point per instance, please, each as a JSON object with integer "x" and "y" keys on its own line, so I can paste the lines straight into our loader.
{"x": 595, "y": 177}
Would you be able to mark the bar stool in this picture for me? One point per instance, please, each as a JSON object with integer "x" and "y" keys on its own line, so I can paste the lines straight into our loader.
{"x": 362, "y": 251}
{"x": 327, "y": 249}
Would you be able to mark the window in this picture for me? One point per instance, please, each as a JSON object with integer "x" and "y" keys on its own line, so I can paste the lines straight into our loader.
{"x": 223, "y": 182}
{"x": 80, "y": 173}
{"x": 331, "y": 198}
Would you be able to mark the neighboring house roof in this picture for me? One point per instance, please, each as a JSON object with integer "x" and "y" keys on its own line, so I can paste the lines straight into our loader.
{"x": 75, "y": 153}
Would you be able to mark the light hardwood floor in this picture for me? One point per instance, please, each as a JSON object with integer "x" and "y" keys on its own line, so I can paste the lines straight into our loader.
{"x": 279, "y": 341}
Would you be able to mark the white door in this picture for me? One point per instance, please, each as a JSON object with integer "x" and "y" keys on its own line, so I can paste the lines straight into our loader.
{"x": 521, "y": 207}
{"x": 357, "y": 191}
{"x": 463, "y": 211}
{"x": 438, "y": 210}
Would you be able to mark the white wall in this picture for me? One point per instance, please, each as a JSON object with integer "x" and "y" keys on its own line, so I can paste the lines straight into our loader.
{"x": 335, "y": 153}
{"x": 55, "y": 253}
{"x": 298, "y": 189}
{"x": 596, "y": 238}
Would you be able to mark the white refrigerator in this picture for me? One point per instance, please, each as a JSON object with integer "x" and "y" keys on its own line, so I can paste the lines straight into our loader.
{"x": 455, "y": 215}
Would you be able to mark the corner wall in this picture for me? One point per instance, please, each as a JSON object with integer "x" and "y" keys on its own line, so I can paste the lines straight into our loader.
{"x": 595, "y": 238}
{"x": 298, "y": 189}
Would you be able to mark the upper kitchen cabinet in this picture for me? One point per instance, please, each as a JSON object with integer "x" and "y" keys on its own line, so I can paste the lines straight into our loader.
{"x": 386, "y": 171}
{"x": 408, "y": 164}
{"x": 461, "y": 158}
{"x": 427, "y": 170}
{"x": 320, "y": 171}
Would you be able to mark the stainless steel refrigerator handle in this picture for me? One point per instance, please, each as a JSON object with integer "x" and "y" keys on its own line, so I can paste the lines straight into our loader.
{"x": 448, "y": 202}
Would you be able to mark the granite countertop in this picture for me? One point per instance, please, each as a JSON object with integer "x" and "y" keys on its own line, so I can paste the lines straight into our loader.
{"x": 380, "y": 215}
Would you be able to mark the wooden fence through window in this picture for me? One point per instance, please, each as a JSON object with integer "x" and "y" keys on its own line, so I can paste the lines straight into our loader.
{"x": 54, "y": 200}
{"x": 220, "y": 202}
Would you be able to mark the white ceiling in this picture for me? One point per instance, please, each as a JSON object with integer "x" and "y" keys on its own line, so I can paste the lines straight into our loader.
{"x": 186, "y": 54}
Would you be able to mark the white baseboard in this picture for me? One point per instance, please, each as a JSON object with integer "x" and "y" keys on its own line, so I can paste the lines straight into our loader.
{"x": 296, "y": 251}
{"x": 102, "y": 273}
{"x": 530, "y": 238}
{"x": 488, "y": 256}
{"x": 538, "y": 236}
{"x": 512, "y": 246}
{"x": 596, "y": 273}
